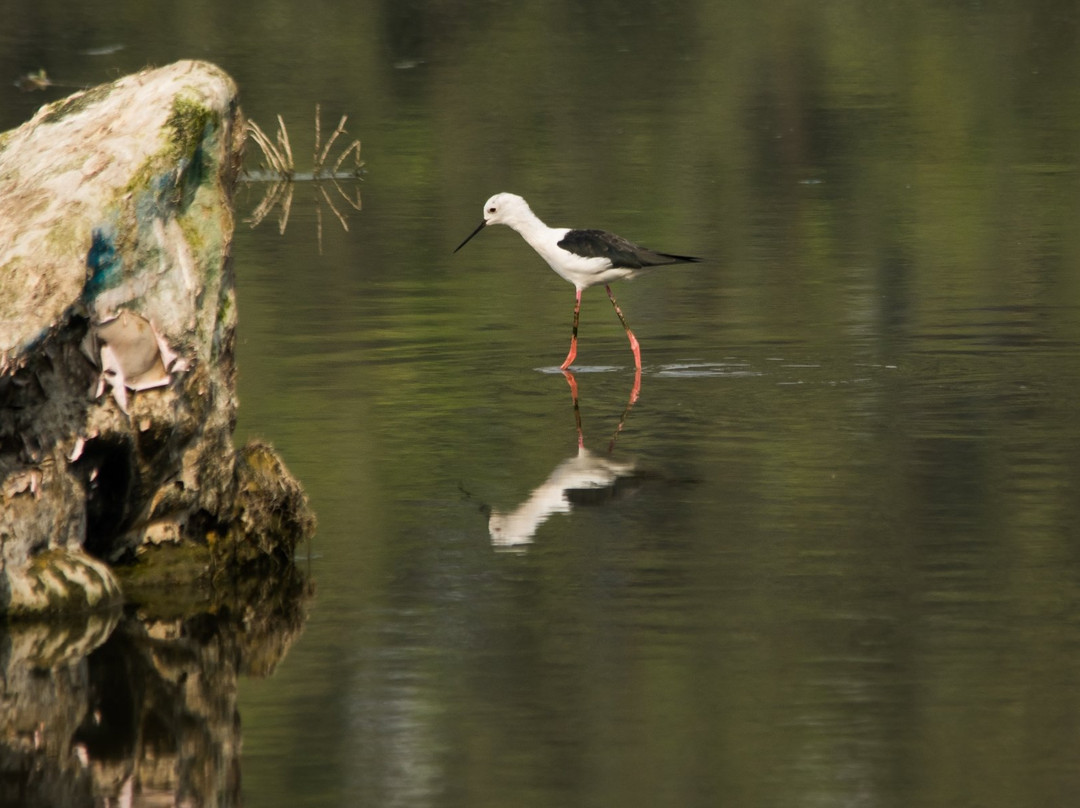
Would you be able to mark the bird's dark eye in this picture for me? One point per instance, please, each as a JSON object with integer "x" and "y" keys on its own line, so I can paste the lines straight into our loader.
{"x": 491, "y": 210}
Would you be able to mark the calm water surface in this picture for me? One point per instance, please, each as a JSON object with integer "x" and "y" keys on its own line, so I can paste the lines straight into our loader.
{"x": 830, "y": 554}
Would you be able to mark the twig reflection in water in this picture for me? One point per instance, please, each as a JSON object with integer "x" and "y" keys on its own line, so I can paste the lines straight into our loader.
{"x": 279, "y": 170}
{"x": 583, "y": 479}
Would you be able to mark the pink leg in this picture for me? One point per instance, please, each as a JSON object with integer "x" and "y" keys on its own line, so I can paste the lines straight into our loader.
{"x": 630, "y": 334}
{"x": 573, "y": 339}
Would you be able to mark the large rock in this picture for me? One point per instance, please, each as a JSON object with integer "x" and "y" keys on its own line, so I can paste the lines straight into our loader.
{"x": 117, "y": 323}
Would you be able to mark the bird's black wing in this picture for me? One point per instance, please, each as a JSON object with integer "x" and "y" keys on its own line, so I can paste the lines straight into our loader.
{"x": 621, "y": 253}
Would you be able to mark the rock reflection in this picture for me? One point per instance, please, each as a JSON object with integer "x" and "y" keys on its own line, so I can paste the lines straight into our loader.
{"x": 585, "y": 478}
{"x": 139, "y": 707}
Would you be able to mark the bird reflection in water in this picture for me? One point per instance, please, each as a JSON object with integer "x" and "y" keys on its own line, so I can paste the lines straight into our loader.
{"x": 585, "y": 478}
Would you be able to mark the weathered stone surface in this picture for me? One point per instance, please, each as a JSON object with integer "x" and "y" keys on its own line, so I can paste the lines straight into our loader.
{"x": 117, "y": 324}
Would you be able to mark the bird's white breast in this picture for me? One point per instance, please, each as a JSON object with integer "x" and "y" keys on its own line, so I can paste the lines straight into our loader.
{"x": 577, "y": 269}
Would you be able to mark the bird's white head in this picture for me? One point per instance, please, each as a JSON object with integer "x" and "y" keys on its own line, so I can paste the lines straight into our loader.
{"x": 508, "y": 209}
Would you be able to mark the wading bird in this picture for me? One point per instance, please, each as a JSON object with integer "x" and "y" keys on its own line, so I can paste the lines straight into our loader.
{"x": 583, "y": 257}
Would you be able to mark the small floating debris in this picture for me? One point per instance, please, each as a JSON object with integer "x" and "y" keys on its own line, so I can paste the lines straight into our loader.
{"x": 33, "y": 82}
{"x": 104, "y": 50}
{"x": 39, "y": 80}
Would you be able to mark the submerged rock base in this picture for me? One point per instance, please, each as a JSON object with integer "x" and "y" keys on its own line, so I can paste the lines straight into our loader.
{"x": 117, "y": 328}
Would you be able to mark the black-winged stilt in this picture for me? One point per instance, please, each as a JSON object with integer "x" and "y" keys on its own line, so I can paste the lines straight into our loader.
{"x": 583, "y": 257}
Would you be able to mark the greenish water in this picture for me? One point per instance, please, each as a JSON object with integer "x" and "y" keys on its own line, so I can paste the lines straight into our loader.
{"x": 841, "y": 566}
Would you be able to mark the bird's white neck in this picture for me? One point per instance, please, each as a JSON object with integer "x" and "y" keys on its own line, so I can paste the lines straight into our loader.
{"x": 539, "y": 236}
{"x": 524, "y": 221}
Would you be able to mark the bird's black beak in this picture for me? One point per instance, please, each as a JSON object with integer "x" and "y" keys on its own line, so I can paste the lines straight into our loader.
{"x": 473, "y": 233}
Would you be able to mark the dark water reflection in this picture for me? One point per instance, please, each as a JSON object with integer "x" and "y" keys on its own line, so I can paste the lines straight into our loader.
{"x": 139, "y": 707}
{"x": 842, "y": 568}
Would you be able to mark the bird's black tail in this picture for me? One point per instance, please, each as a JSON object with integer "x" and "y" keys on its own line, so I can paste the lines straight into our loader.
{"x": 682, "y": 259}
